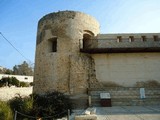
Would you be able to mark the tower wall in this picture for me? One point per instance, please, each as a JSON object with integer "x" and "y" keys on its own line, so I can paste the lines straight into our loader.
{"x": 58, "y": 63}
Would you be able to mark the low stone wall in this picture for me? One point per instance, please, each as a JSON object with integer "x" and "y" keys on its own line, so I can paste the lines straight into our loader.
{"x": 122, "y": 96}
{"x": 7, "y": 93}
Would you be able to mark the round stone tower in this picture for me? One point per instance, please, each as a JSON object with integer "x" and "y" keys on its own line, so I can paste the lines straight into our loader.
{"x": 59, "y": 64}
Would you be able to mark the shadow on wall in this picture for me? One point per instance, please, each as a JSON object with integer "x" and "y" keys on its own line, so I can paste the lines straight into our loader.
{"x": 147, "y": 84}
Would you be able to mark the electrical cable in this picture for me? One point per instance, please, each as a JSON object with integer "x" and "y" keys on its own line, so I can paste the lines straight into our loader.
{"x": 14, "y": 47}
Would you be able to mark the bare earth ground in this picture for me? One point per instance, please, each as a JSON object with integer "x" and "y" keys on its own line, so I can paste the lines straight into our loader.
{"x": 126, "y": 113}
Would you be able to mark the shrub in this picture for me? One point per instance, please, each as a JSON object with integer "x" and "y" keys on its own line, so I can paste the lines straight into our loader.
{"x": 15, "y": 81}
{"x": 23, "y": 105}
{"x": 5, "y": 111}
{"x": 7, "y": 81}
{"x": 31, "y": 84}
{"x": 51, "y": 104}
{"x": 24, "y": 84}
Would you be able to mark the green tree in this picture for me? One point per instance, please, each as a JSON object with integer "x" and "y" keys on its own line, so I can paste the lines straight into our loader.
{"x": 8, "y": 71}
{"x": 23, "y": 69}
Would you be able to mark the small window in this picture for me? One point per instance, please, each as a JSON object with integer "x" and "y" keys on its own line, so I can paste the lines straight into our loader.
{"x": 144, "y": 38}
{"x": 119, "y": 39}
{"x": 131, "y": 38}
{"x": 155, "y": 37}
{"x": 53, "y": 44}
{"x": 86, "y": 41}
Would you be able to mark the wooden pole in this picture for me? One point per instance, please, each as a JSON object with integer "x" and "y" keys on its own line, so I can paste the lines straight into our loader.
{"x": 15, "y": 116}
{"x": 68, "y": 114}
{"x": 89, "y": 101}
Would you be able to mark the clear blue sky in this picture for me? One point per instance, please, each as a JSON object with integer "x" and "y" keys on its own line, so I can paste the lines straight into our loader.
{"x": 19, "y": 18}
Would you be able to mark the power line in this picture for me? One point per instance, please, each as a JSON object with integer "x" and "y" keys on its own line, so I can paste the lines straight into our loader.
{"x": 15, "y": 47}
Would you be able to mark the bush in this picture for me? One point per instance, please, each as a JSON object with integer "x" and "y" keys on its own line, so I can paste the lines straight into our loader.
{"x": 23, "y": 105}
{"x": 24, "y": 84}
{"x": 15, "y": 81}
{"x": 31, "y": 84}
{"x": 7, "y": 81}
{"x": 5, "y": 111}
{"x": 51, "y": 104}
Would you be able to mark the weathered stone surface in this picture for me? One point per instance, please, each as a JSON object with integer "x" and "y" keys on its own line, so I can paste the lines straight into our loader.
{"x": 127, "y": 96}
{"x": 66, "y": 70}
{"x": 61, "y": 65}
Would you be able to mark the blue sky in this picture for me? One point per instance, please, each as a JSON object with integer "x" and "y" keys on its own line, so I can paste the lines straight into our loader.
{"x": 19, "y": 18}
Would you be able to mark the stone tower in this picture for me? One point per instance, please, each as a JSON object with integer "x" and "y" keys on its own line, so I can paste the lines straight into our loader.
{"x": 59, "y": 64}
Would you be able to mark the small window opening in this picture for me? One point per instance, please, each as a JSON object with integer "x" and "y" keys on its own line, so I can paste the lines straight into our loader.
{"x": 119, "y": 39}
{"x": 155, "y": 37}
{"x": 144, "y": 38}
{"x": 86, "y": 41}
{"x": 131, "y": 38}
{"x": 53, "y": 44}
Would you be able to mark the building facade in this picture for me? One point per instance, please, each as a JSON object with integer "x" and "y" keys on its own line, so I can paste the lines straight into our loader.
{"x": 72, "y": 56}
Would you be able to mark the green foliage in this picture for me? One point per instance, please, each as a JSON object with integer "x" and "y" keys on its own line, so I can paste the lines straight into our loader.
{"x": 5, "y": 111}
{"x": 23, "y": 69}
{"x": 23, "y": 105}
{"x": 14, "y": 81}
{"x": 24, "y": 84}
{"x": 31, "y": 84}
{"x": 8, "y": 71}
{"x": 8, "y": 81}
{"x": 51, "y": 104}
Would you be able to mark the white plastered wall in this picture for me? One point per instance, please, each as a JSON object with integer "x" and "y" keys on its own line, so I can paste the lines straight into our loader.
{"x": 127, "y": 68}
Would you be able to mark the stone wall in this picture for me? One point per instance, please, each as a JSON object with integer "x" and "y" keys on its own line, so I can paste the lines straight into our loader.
{"x": 129, "y": 96}
{"x": 7, "y": 93}
{"x": 126, "y": 69}
{"x": 66, "y": 69}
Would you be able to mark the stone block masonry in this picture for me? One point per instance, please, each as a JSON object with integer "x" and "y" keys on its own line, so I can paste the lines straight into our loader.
{"x": 59, "y": 65}
{"x": 72, "y": 57}
{"x": 128, "y": 96}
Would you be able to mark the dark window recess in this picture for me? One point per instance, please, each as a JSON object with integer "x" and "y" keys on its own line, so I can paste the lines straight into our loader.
{"x": 119, "y": 39}
{"x": 86, "y": 41}
{"x": 155, "y": 37}
{"x": 131, "y": 38}
{"x": 144, "y": 38}
{"x": 53, "y": 44}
